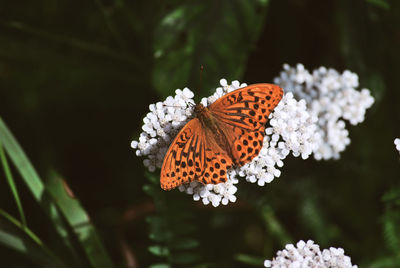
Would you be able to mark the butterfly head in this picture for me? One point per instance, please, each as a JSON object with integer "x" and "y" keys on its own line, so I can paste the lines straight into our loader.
{"x": 199, "y": 109}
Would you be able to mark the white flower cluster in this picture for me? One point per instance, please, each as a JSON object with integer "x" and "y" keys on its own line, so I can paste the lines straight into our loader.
{"x": 214, "y": 194}
{"x": 311, "y": 125}
{"x": 293, "y": 130}
{"x": 330, "y": 96}
{"x": 309, "y": 255}
{"x": 397, "y": 143}
{"x": 161, "y": 125}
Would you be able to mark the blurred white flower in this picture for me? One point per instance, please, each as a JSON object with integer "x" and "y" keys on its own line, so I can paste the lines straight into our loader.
{"x": 330, "y": 96}
{"x": 397, "y": 143}
{"x": 309, "y": 255}
{"x": 292, "y": 131}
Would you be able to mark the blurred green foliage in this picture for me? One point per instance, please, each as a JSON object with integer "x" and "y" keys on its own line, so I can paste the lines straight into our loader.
{"x": 76, "y": 79}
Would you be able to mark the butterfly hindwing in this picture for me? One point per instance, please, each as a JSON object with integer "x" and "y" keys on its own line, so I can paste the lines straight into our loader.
{"x": 217, "y": 161}
{"x": 194, "y": 155}
{"x": 248, "y": 145}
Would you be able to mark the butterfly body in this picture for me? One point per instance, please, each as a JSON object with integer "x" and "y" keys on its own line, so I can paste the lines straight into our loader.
{"x": 209, "y": 121}
{"x": 228, "y": 133}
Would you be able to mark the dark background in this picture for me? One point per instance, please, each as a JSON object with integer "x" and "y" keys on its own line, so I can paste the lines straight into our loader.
{"x": 76, "y": 79}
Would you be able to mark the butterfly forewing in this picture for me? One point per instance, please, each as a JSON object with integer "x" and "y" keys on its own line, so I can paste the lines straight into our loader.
{"x": 184, "y": 160}
{"x": 242, "y": 115}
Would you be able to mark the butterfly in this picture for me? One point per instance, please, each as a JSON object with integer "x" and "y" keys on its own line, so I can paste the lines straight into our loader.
{"x": 227, "y": 133}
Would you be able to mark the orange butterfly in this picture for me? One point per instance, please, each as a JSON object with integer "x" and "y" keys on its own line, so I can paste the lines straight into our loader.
{"x": 230, "y": 132}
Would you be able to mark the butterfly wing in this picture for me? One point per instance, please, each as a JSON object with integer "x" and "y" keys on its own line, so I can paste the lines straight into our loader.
{"x": 242, "y": 115}
{"x": 194, "y": 155}
{"x": 217, "y": 161}
{"x": 185, "y": 157}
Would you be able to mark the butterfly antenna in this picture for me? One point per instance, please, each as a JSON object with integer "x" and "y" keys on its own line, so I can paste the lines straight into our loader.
{"x": 173, "y": 106}
{"x": 201, "y": 77}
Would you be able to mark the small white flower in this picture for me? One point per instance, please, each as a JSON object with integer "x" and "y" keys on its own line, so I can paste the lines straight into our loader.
{"x": 309, "y": 255}
{"x": 397, "y": 143}
{"x": 329, "y": 96}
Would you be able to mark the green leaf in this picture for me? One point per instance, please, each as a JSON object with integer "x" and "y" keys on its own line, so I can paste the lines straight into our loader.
{"x": 171, "y": 222}
{"x": 35, "y": 185}
{"x": 160, "y": 265}
{"x": 183, "y": 243}
{"x": 274, "y": 226}
{"x": 12, "y": 185}
{"x": 250, "y": 260}
{"x": 183, "y": 228}
{"x": 69, "y": 41}
{"x": 215, "y": 34}
{"x": 21, "y": 162}
{"x": 160, "y": 235}
{"x": 154, "y": 219}
{"x": 393, "y": 195}
{"x": 158, "y": 250}
{"x": 391, "y": 230}
{"x": 151, "y": 190}
{"x": 379, "y": 3}
{"x": 17, "y": 237}
{"x": 386, "y": 262}
{"x": 79, "y": 221}
{"x": 153, "y": 178}
{"x": 184, "y": 257}
{"x": 70, "y": 208}
{"x": 314, "y": 220}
